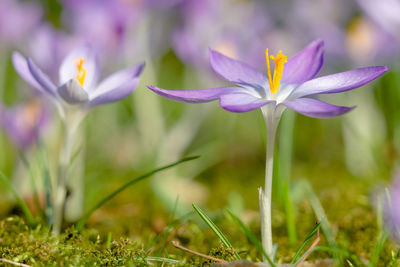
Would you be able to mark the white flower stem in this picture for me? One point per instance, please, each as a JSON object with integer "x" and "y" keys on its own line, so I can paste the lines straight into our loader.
{"x": 61, "y": 190}
{"x": 271, "y": 117}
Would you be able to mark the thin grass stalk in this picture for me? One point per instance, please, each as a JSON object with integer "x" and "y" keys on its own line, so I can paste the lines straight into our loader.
{"x": 32, "y": 182}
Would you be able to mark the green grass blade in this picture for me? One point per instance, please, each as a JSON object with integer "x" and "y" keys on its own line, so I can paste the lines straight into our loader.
{"x": 251, "y": 237}
{"x": 339, "y": 251}
{"x": 383, "y": 237}
{"x": 20, "y": 201}
{"x": 170, "y": 220}
{"x": 320, "y": 213}
{"x": 309, "y": 236}
{"x": 48, "y": 211}
{"x": 215, "y": 229}
{"x": 82, "y": 221}
{"x": 32, "y": 182}
{"x": 290, "y": 215}
{"x": 164, "y": 232}
{"x": 161, "y": 259}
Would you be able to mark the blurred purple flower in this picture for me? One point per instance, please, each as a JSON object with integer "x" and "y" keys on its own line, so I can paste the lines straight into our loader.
{"x": 17, "y": 19}
{"x": 392, "y": 208}
{"x": 24, "y": 122}
{"x": 218, "y": 24}
{"x": 376, "y": 35}
{"x": 102, "y": 23}
{"x": 157, "y": 4}
{"x": 385, "y": 13}
{"x": 78, "y": 76}
{"x": 48, "y": 46}
{"x": 292, "y": 86}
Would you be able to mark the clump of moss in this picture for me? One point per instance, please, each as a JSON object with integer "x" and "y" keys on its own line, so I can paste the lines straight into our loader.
{"x": 220, "y": 252}
{"x": 37, "y": 247}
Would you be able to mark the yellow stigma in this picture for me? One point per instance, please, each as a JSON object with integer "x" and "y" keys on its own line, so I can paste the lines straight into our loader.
{"x": 280, "y": 59}
{"x": 81, "y": 74}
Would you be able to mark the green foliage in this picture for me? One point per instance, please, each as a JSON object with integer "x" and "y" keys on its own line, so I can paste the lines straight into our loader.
{"x": 306, "y": 240}
{"x": 82, "y": 221}
{"x": 251, "y": 237}
{"x": 215, "y": 229}
{"x": 220, "y": 252}
{"x": 37, "y": 247}
{"x": 20, "y": 201}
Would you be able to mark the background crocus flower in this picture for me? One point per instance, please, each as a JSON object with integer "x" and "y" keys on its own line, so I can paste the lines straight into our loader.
{"x": 17, "y": 19}
{"x": 76, "y": 94}
{"x": 104, "y": 24}
{"x": 219, "y": 24}
{"x": 392, "y": 208}
{"x": 389, "y": 200}
{"x": 385, "y": 13}
{"x": 23, "y": 122}
{"x": 78, "y": 75}
{"x": 292, "y": 85}
{"x": 375, "y": 35}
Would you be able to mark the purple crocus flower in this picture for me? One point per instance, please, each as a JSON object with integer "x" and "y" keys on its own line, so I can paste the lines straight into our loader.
{"x": 202, "y": 26}
{"x": 378, "y": 36}
{"x": 392, "y": 208}
{"x": 17, "y": 19}
{"x": 292, "y": 85}
{"x": 23, "y": 122}
{"x": 78, "y": 75}
{"x": 76, "y": 94}
{"x": 103, "y": 23}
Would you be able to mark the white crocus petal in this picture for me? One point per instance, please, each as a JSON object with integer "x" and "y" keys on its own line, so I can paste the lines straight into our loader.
{"x": 284, "y": 92}
{"x": 68, "y": 69}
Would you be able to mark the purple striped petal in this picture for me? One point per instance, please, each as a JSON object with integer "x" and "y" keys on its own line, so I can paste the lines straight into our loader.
{"x": 305, "y": 64}
{"x": 195, "y": 96}
{"x": 21, "y": 66}
{"x": 116, "y": 87}
{"x": 234, "y": 70}
{"x": 316, "y": 108}
{"x": 242, "y": 102}
{"x": 116, "y": 94}
{"x": 339, "y": 82}
{"x": 42, "y": 79}
{"x": 68, "y": 69}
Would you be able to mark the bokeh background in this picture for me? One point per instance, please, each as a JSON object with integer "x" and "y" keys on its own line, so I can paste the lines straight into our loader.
{"x": 338, "y": 165}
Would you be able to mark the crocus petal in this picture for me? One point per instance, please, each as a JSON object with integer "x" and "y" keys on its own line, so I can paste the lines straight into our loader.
{"x": 195, "y": 96}
{"x": 21, "y": 66}
{"x": 234, "y": 70}
{"x": 117, "y": 86}
{"x": 316, "y": 108}
{"x": 116, "y": 94}
{"x": 73, "y": 93}
{"x": 305, "y": 64}
{"x": 117, "y": 79}
{"x": 68, "y": 69}
{"x": 338, "y": 82}
{"x": 42, "y": 79}
{"x": 242, "y": 102}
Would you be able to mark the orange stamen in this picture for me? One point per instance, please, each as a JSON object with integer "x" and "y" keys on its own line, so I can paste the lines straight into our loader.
{"x": 280, "y": 59}
{"x": 81, "y": 74}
